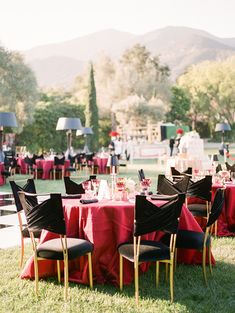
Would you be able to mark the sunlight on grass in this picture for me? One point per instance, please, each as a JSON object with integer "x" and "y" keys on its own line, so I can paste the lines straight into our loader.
{"x": 191, "y": 295}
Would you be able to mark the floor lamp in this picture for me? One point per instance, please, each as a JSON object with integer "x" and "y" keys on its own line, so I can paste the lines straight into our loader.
{"x": 69, "y": 124}
{"x": 85, "y": 131}
{"x": 7, "y": 119}
{"x": 222, "y": 127}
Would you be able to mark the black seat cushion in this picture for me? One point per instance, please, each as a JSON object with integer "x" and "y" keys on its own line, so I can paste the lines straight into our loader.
{"x": 198, "y": 209}
{"x": 149, "y": 251}
{"x": 25, "y": 233}
{"x": 188, "y": 239}
{"x": 52, "y": 249}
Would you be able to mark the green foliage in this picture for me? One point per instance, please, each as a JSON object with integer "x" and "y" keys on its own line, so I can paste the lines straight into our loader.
{"x": 42, "y": 134}
{"x": 91, "y": 112}
{"x": 104, "y": 130}
{"x": 211, "y": 89}
{"x": 18, "y": 86}
{"x": 179, "y": 107}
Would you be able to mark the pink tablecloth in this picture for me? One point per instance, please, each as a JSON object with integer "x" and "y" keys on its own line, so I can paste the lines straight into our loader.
{"x": 2, "y": 178}
{"x": 106, "y": 225}
{"x": 101, "y": 162}
{"x": 226, "y": 221}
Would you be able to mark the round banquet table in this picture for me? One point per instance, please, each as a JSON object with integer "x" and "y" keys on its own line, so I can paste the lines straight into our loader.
{"x": 226, "y": 221}
{"x": 106, "y": 224}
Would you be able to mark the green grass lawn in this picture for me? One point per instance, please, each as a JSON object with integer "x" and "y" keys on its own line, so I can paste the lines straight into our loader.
{"x": 191, "y": 295}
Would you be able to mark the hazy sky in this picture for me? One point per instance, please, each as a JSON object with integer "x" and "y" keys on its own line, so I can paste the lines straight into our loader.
{"x": 27, "y": 23}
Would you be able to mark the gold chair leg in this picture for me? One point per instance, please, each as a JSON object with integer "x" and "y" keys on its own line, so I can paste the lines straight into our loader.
{"x": 166, "y": 272}
{"x": 204, "y": 264}
{"x": 90, "y": 270}
{"x": 58, "y": 271}
{"x": 175, "y": 259}
{"x": 66, "y": 278}
{"x": 210, "y": 264}
{"x": 136, "y": 283}
{"x": 215, "y": 228}
{"x": 36, "y": 273}
{"x": 157, "y": 273}
{"x": 121, "y": 272}
{"x": 172, "y": 281}
{"x": 22, "y": 251}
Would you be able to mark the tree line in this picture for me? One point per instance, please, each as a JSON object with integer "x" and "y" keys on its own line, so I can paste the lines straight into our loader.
{"x": 132, "y": 89}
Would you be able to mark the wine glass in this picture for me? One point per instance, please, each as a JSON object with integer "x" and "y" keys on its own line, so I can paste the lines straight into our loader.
{"x": 232, "y": 176}
{"x": 145, "y": 184}
{"x": 87, "y": 187}
{"x": 120, "y": 185}
{"x": 95, "y": 185}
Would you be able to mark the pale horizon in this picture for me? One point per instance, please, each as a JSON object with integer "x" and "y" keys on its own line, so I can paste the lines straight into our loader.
{"x": 25, "y": 24}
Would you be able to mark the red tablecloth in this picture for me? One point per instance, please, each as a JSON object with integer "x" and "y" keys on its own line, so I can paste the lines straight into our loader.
{"x": 226, "y": 221}
{"x": 2, "y": 178}
{"x": 106, "y": 225}
{"x": 47, "y": 165}
{"x": 101, "y": 162}
{"x": 22, "y": 164}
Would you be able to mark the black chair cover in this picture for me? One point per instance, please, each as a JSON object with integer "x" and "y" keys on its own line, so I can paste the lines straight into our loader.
{"x": 28, "y": 187}
{"x": 217, "y": 207}
{"x": 149, "y": 217}
{"x": 47, "y": 215}
{"x": 165, "y": 186}
{"x": 141, "y": 174}
{"x": 201, "y": 188}
{"x": 72, "y": 188}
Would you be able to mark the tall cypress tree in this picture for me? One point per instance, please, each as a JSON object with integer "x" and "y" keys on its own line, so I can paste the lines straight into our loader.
{"x": 91, "y": 112}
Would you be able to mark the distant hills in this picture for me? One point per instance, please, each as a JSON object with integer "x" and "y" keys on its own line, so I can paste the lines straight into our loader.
{"x": 57, "y": 65}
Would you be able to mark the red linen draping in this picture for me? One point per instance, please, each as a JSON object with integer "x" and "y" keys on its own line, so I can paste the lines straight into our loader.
{"x": 226, "y": 221}
{"x": 22, "y": 164}
{"x": 101, "y": 162}
{"x": 47, "y": 165}
{"x": 106, "y": 224}
{"x": 2, "y": 178}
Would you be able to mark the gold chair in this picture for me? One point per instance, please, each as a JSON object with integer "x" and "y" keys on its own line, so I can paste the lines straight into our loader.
{"x": 149, "y": 218}
{"x": 187, "y": 239}
{"x": 24, "y": 232}
{"x": 49, "y": 215}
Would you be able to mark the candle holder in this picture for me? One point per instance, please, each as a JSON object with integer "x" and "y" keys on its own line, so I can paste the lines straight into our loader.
{"x": 113, "y": 163}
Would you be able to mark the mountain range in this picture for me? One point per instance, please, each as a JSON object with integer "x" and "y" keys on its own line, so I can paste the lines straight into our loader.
{"x": 57, "y": 64}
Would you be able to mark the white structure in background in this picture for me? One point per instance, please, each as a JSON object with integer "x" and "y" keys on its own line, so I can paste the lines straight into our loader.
{"x": 191, "y": 154}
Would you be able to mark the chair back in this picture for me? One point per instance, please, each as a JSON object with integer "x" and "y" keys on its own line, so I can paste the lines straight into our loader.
{"x": 175, "y": 172}
{"x": 216, "y": 207}
{"x": 30, "y": 161}
{"x": 141, "y": 174}
{"x": 47, "y": 215}
{"x": 59, "y": 161}
{"x": 149, "y": 217}
{"x": 229, "y": 167}
{"x": 218, "y": 168}
{"x": 201, "y": 188}
{"x": 72, "y": 188}
{"x": 167, "y": 187}
{"x": 28, "y": 187}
